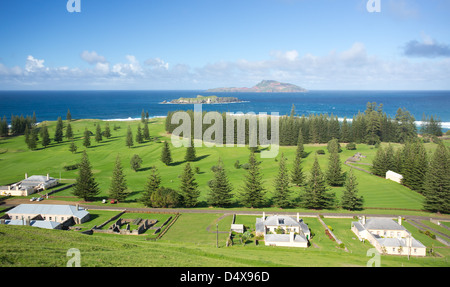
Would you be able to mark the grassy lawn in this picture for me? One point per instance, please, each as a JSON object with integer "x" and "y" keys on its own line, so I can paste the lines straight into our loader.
{"x": 188, "y": 243}
{"x": 18, "y": 160}
{"x": 191, "y": 241}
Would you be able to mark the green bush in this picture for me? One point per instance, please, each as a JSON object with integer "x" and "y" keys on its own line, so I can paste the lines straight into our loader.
{"x": 351, "y": 146}
{"x": 71, "y": 167}
{"x": 320, "y": 151}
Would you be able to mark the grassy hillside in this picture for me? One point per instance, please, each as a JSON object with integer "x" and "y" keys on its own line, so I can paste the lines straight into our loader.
{"x": 189, "y": 243}
{"x": 16, "y": 160}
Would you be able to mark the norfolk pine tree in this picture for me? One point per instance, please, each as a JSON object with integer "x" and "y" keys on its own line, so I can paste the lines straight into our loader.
{"x": 436, "y": 187}
{"x": 129, "y": 140}
{"x": 152, "y": 185}
{"x": 146, "y": 132}
{"x": 139, "y": 137}
{"x": 45, "y": 136}
{"x": 98, "y": 134}
{"x": 87, "y": 138}
{"x": 189, "y": 187}
{"x": 335, "y": 176}
{"x": 190, "y": 152}
{"x": 221, "y": 188}
{"x": 73, "y": 148}
{"x": 107, "y": 131}
{"x": 69, "y": 132}
{"x": 316, "y": 194}
{"x": 252, "y": 194}
{"x": 59, "y": 130}
{"x": 282, "y": 192}
{"x": 350, "y": 199}
{"x": 297, "y": 176}
{"x": 166, "y": 156}
{"x": 85, "y": 186}
{"x": 118, "y": 186}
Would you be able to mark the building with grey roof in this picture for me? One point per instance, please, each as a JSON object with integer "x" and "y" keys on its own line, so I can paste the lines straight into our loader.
{"x": 35, "y": 223}
{"x": 283, "y": 230}
{"x": 29, "y": 185}
{"x": 49, "y": 212}
{"x": 388, "y": 236}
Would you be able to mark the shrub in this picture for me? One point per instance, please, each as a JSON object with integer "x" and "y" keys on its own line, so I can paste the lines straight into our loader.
{"x": 245, "y": 166}
{"x": 197, "y": 170}
{"x": 237, "y": 165}
{"x": 320, "y": 151}
{"x": 351, "y": 146}
{"x": 71, "y": 167}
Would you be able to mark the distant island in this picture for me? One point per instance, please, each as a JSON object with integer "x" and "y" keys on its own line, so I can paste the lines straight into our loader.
{"x": 265, "y": 86}
{"x": 204, "y": 100}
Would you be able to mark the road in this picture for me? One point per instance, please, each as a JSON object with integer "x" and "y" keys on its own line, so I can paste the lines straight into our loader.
{"x": 108, "y": 206}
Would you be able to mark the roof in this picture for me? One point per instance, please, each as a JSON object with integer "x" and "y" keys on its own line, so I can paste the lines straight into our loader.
{"x": 383, "y": 224}
{"x": 36, "y": 180}
{"x": 281, "y": 220}
{"x": 35, "y": 223}
{"x": 284, "y": 238}
{"x": 392, "y": 173}
{"x": 397, "y": 242}
{"x": 49, "y": 209}
{"x": 358, "y": 226}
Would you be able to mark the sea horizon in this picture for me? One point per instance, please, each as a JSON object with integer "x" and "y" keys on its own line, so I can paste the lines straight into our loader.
{"x": 128, "y": 104}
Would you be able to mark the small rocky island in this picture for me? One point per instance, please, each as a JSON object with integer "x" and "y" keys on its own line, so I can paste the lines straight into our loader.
{"x": 266, "y": 86}
{"x": 204, "y": 100}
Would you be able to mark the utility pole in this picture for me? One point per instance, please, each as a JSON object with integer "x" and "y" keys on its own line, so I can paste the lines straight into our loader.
{"x": 217, "y": 235}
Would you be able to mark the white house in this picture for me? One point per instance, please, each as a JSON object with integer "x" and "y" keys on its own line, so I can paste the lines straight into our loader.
{"x": 48, "y": 212}
{"x": 388, "y": 236}
{"x": 394, "y": 176}
{"x": 29, "y": 185}
{"x": 294, "y": 233}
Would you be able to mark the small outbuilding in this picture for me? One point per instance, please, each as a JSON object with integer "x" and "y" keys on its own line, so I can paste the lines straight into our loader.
{"x": 394, "y": 176}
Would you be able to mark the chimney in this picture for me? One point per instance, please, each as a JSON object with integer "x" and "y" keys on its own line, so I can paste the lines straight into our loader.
{"x": 399, "y": 220}
{"x": 264, "y": 216}
{"x": 48, "y": 176}
{"x": 291, "y": 237}
{"x": 363, "y": 220}
{"x": 26, "y": 175}
{"x": 78, "y": 207}
{"x": 298, "y": 217}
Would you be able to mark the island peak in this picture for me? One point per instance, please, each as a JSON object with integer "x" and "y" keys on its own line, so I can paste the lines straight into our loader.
{"x": 265, "y": 86}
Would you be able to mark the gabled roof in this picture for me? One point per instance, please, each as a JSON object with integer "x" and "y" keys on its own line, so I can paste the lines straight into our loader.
{"x": 49, "y": 209}
{"x": 281, "y": 220}
{"x": 383, "y": 224}
{"x": 397, "y": 242}
{"x": 35, "y": 223}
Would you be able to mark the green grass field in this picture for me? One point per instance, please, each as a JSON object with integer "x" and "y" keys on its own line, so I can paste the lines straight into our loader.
{"x": 191, "y": 241}
{"x": 16, "y": 160}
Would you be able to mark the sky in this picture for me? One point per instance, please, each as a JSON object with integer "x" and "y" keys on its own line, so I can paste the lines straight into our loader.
{"x": 201, "y": 44}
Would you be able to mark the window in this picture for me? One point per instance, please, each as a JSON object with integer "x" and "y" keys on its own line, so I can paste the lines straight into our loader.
{"x": 393, "y": 249}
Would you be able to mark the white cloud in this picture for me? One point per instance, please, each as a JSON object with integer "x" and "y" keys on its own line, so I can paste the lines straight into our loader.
{"x": 352, "y": 68}
{"x": 33, "y": 64}
{"x": 288, "y": 55}
{"x": 133, "y": 67}
{"x": 157, "y": 63}
{"x": 92, "y": 57}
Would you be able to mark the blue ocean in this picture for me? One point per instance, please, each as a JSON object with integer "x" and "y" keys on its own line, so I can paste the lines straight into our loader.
{"x": 122, "y": 105}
